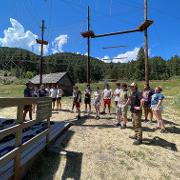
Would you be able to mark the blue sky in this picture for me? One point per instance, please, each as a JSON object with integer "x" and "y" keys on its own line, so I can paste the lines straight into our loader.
{"x": 65, "y": 19}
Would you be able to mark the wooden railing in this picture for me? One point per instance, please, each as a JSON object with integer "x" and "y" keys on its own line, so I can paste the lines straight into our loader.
{"x": 44, "y": 112}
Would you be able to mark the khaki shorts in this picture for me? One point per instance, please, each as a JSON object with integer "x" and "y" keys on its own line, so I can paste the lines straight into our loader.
{"x": 122, "y": 110}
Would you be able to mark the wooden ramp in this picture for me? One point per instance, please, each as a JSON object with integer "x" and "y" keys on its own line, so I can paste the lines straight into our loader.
{"x": 29, "y": 137}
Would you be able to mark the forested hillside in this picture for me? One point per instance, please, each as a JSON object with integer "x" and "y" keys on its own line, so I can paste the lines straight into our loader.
{"x": 22, "y": 63}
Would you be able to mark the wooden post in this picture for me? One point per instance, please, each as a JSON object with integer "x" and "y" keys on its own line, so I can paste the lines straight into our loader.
{"x": 88, "y": 49}
{"x": 146, "y": 46}
{"x": 48, "y": 126}
{"x": 42, "y": 42}
{"x": 17, "y": 161}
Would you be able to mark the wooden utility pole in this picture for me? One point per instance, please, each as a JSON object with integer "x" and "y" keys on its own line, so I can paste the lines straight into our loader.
{"x": 42, "y": 42}
{"x": 88, "y": 49}
{"x": 146, "y": 45}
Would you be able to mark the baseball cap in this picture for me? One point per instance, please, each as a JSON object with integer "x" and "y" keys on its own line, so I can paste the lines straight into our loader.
{"x": 133, "y": 84}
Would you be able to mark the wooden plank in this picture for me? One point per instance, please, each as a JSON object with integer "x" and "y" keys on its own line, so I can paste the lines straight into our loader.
{"x": 48, "y": 126}
{"x": 34, "y": 140}
{"x": 17, "y": 160}
{"x": 8, "y": 156}
{"x": 8, "y": 131}
{"x": 30, "y": 123}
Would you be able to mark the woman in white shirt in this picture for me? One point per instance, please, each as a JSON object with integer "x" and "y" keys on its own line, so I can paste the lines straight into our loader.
{"x": 59, "y": 97}
{"x": 117, "y": 93}
{"x": 53, "y": 95}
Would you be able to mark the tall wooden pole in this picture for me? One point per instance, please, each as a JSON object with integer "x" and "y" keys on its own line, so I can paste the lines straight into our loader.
{"x": 146, "y": 45}
{"x": 41, "y": 61}
{"x": 88, "y": 49}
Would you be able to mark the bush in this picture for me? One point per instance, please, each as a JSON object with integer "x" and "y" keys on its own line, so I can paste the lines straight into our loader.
{"x": 29, "y": 75}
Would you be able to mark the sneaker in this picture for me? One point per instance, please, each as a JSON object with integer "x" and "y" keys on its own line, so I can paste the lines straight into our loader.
{"x": 118, "y": 125}
{"x": 137, "y": 142}
{"x": 103, "y": 112}
{"x": 78, "y": 117}
{"x": 133, "y": 137}
{"x": 163, "y": 131}
{"x": 123, "y": 126}
{"x": 146, "y": 121}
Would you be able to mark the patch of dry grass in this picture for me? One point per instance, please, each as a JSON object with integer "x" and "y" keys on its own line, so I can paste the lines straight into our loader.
{"x": 99, "y": 150}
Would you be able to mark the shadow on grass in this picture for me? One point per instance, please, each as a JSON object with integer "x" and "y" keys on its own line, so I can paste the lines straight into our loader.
{"x": 173, "y": 129}
{"x": 44, "y": 167}
{"x": 157, "y": 141}
{"x": 171, "y": 123}
{"x": 47, "y": 164}
{"x": 73, "y": 166}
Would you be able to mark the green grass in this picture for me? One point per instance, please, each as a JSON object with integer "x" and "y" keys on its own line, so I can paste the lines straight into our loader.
{"x": 171, "y": 90}
{"x": 11, "y": 90}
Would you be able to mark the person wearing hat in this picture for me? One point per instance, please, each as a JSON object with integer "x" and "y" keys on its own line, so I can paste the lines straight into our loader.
{"x": 135, "y": 101}
{"x": 28, "y": 92}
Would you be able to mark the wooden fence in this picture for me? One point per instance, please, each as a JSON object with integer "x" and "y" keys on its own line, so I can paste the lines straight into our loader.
{"x": 44, "y": 112}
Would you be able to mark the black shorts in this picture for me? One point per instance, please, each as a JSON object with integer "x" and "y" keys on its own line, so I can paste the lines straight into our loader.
{"x": 28, "y": 108}
{"x": 59, "y": 98}
{"x": 53, "y": 99}
{"x": 87, "y": 100}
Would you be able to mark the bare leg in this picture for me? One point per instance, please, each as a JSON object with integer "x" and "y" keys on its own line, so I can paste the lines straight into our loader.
{"x": 146, "y": 113}
{"x": 157, "y": 118}
{"x": 150, "y": 114}
{"x": 109, "y": 108}
{"x": 30, "y": 113}
{"x": 85, "y": 108}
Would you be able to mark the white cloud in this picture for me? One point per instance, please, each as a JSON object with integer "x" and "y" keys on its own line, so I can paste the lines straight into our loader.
{"x": 106, "y": 59}
{"x": 123, "y": 57}
{"x": 58, "y": 43}
{"x": 127, "y": 56}
{"x": 16, "y": 36}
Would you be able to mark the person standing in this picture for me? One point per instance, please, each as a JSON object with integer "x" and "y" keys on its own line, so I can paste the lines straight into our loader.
{"x": 28, "y": 92}
{"x": 42, "y": 91}
{"x": 59, "y": 97}
{"x": 47, "y": 90}
{"x": 87, "y": 99}
{"x": 107, "y": 95}
{"x": 117, "y": 93}
{"x": 35, "y": 94}
{"x": 147, "y": 94}
{"x": 53, "y": 95}
{"x": 135, "y": 100}
{"x": 77, "y": 101}
{"x": 97, "y": 99}
{"x": 122, "y": 107}
{"x": 73, "y": 96}
{"x": 157, "y": 107}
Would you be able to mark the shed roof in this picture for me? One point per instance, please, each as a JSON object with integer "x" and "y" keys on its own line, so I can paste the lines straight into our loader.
{"x": 51, "y": 78}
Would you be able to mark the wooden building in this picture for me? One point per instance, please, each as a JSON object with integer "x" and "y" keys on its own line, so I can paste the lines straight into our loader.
{"x": 60, "y": 78}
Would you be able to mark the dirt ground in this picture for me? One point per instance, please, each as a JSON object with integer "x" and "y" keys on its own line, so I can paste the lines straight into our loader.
{"x": 96, "y": 150}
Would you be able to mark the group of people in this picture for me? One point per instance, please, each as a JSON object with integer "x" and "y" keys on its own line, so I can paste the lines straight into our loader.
{"x": 148, "y": 100}
{"x": 124, "y": 96}
{"x": 55, "y": 92}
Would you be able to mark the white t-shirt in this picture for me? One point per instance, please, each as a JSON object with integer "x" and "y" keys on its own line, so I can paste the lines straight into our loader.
{"x": 97, "y": 97}
{"x": 117, "y": 94}
{"x": 59, "y": 92}
{"x": 53, "y": 93}
{"x": 107, "y": 93}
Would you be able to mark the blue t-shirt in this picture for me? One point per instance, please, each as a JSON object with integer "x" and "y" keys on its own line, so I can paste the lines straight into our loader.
{"x": 156, "y": 97}
{"x": 28, "y": 92}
